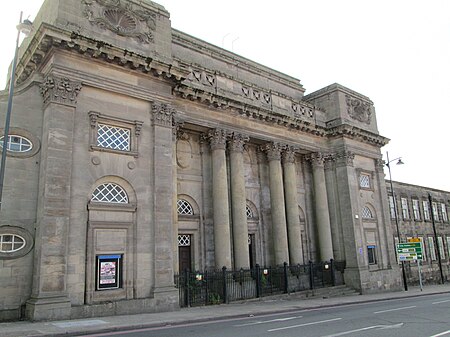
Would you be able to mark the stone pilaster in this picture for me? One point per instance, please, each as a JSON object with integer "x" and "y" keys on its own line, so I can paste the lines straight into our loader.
{"x": 321, "y": 207}
{"x": 221, "y": 216}
{"x": 279, "y": 231}
{"x": 238, "y": 201}
{"x": 292, "y": 215}
{"x": 49, "y": 299}
{"x": 162, "y": 116}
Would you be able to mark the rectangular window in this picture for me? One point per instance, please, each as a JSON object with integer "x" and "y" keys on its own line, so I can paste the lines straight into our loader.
{"x": 448, "y": 245}
{"x": 405, "y": 209}
{"x": 444, "y": 212}
{"x": 392, "y": 206}
{"x": 435, "y": 211}
{"x": 371, "y": 254}
{"x": 441, "y": 247}
{"x": 424, "y": 253}
{"x": 416, "y": 209}
{"x": 364, "y": 181}
{"x": 431, "y": 248}
{"x": 426, "y": 210}
{"x": 109, "y": 272}
{"x": 113, "y": 137}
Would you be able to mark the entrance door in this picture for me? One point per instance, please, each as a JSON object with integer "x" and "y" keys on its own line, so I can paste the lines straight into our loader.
{"x": 251, "y": 250}
{"x": 184, "y": 252}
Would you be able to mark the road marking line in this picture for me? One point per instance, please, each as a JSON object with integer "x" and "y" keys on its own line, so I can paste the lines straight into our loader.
{"x": 381, "y": 327}
{"x": 442, "y": 334}
{"x": 304, "y": 324}
{"x": 396, "y": 309}
{"x": 270, "y": 321}
{"x": 441, "y": 302}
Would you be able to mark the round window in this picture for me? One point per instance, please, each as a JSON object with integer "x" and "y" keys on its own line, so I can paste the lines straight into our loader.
{"x": 17, "y": 143}
{"x": 10, "y": 243}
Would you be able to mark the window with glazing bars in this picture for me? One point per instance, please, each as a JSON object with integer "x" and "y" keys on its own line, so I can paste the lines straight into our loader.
{"x": 113, "y": 137}
{"x": 110, "y": 192}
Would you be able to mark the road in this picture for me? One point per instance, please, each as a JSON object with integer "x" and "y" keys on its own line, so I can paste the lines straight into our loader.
{"x": 424, "y": 316}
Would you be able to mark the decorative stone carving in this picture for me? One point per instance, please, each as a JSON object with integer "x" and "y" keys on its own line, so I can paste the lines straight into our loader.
{"x": 273, "y": 150}
{"x": 317, "y": 159}
{"x": 217, "y": 139}
{"x": 138, "y": 128}
{"x": 122, "y": 19}
{"x": 379, "y": 165}
{"x": 329, "y": 161}
{"x": 162, "y": 114}
{"x": 288, "y": 155}
{"x": 237, "y": 142}
{"x": 345, "y": 158}
{"x": 359, "y": 110}
{"x": 60, "y": 90}
{"x": 202, "y": 77}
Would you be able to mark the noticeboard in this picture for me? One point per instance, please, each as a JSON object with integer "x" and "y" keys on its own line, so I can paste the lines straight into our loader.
{"x": 109, "y": 271}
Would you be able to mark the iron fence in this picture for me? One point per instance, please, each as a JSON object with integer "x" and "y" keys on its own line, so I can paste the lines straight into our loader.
{"x": 198, "y": 288}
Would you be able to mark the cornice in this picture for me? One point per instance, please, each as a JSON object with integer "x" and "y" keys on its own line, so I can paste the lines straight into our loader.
{"x": 48, "y": 37}
{"x": 356, "y": 133}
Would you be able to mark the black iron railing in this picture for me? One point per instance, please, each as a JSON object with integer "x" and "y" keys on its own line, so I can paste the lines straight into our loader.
{"x": 223, "y": 286}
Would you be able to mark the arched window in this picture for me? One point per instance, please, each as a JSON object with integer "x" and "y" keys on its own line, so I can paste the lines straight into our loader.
{"x": 110, "y": 192}
{"x": 366, "y": 213}
{"x": 17, "y": 143}
{"x": 249, "y": 212}
{"x": 184, "y": 207}
{"x": 10, "y": 243}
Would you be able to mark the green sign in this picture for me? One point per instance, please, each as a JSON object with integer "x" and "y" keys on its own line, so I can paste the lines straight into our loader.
{"x": 410, "y": 251}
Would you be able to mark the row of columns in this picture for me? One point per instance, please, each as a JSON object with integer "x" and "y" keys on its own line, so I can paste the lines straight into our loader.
{"x": 286, "y": 229}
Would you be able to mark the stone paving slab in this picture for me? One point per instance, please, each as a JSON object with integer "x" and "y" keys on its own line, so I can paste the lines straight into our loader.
{"x": 279, "y": 304}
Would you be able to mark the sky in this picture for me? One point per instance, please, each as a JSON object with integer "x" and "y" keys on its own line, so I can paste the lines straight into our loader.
{"x": 396, "y": 52}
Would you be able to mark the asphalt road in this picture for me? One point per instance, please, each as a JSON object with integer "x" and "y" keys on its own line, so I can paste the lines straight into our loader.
{"x": 425, "y": 316}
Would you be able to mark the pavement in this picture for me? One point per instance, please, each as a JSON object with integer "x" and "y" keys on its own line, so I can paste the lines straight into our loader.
{"x": 262, "y": 306}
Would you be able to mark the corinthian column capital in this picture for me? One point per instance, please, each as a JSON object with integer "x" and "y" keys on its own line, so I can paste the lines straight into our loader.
{"x": 273, "y": 150}
{"x": 288, "y": 155}
{"x": 317, "y": 159}
{"x": 217, "y": 139}
{"x": 162, "y": 114}
{"x": 60, "y": 90}
{"x": 237, "y": 142}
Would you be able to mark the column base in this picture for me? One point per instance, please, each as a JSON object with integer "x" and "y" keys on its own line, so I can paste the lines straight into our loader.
{"x": 167, "y": 298}
{"x": 48, "y": 308}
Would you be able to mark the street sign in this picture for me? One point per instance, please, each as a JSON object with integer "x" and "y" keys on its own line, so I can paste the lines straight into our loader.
{"x": 410, "y": 251}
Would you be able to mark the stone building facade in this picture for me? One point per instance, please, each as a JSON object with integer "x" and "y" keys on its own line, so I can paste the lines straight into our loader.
{"x": 137, "y": 150}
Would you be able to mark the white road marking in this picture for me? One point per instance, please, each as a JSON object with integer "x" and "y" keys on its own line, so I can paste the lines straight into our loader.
{"x": 441, "y": 302}
{"x": 396, "y": 309}
{"x": 442, "y": 334}
{"x": 270, "y": 321}
{"x": 304, "y": 324}
{"x": 381, "y": 327}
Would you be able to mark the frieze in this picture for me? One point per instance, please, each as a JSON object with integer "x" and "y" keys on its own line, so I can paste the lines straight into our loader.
{"x": 122, "y": 19}
{"x": 359, "y": 110}
{"x": 60, "y": 90}
{"x": 162, "y": 114}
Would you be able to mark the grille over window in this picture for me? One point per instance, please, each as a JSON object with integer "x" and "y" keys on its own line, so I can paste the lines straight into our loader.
{"x": 249, "y": 212}
{"x": 184, "y": 240}
{"x": 367, "y": 213}
{"x": 17, "y": 143}
{"x": 11, "y": 243}
{"x": 113, "y": 137}
{"x": 184, "y": 208}
{"x": 110, "y": 192}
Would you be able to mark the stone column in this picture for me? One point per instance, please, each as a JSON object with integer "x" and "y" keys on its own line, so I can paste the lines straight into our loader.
{"x": 221, "y": 215}
{"x": 163, "y": 204}
{"x": 49, "y": 299}
{"x": 279, "y": 231}
{"x": 238, "y": 202}
{"x": 293, "y": 219}
{"x": 175, "y": 135}
{"x": 321, "y": 207}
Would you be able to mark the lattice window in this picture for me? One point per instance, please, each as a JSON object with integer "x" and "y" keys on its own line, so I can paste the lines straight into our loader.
{"x": 249, "y": 212}
{"x": 11, "y": 243}
{"x": 110, "y": 192}
{"x": 366, "y": 213}
{"x": 17, "y": 143}
{"x": 364, "y": 181}
{"x": 113, "y": 137}
{"x": 184, "y": 240}
{"x": 184, "y": 208}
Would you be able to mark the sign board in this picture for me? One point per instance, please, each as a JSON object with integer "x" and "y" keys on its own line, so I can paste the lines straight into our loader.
{"x": 410, "y": 251}
{"x": 109, "y": 270}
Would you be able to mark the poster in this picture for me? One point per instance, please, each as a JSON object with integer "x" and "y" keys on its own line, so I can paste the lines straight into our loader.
{"x": 108, "y": 271}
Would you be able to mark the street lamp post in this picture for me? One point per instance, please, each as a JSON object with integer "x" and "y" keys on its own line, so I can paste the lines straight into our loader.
{"x": 22, "y": 27}
{"x": 388, "y": 164}
{"x": 430, "y": 200}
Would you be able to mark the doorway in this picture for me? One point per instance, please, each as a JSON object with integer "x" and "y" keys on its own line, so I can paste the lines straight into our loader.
{"x": 184, "y": 252}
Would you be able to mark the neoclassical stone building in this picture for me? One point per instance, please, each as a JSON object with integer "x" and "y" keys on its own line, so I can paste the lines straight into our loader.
{"x": 137, "y": 150}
